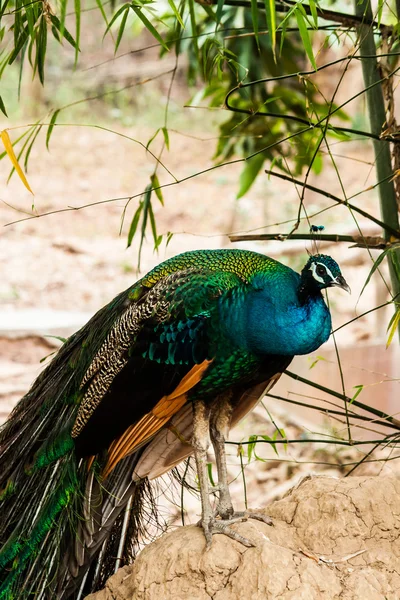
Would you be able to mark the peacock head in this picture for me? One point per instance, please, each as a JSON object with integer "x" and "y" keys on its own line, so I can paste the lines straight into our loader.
{"x": 320, "y": 272}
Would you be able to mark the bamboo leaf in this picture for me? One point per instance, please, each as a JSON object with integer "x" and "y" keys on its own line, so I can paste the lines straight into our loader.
{"x": 314, "y": 14}
{"x": 254, "y": 18}
{"x": 359, "y": 389}
{"x": 270, "y": 13}
{"x": 41, "y": 47}
{"x": 166, "y": 137}
{"x": 121, "y": 29}
{"x": 134, "y": 224}
{"x": 63, "y": 14}
{"x": 115, "y": 17}
{"x": 146, "y": 203}
{"x": 103, "y": 12}
{"x": 305, "y": 36}
{"x": 149, "y": 26}
{"x": 51, "y": 126}
{"x": 3, "y": 7}
{"x": 2, "y": 107}
{"x": 18, "y": 46}
{"x": 376, "y": 265}
{"x": 77, "y": 5}
{"x": 65, "y": 33}
{"x": 176, "y": 12}
{"x": 250, "y": 447}
{"x": 153, "y": 224}
{"x": 392, "y": 327}
{"x": 194, "y": 28}
{"x": 220, "y": 6}
{"x": 248, "y": 175}
{"x": 10, "y": 151}
{"x": 156, "y": 185}
{"x": 30, "y": 147}
{"x": 210, "y": 475}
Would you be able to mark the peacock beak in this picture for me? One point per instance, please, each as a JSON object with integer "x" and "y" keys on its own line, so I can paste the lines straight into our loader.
{"x": 341, "y": 282}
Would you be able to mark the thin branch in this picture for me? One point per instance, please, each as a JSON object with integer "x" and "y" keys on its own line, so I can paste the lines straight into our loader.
{"x": 327, "y": 15}
{"x": 376, "y": 243}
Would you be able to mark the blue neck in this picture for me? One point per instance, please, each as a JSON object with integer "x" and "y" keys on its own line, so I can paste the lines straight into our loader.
{"x": 277, "y": 321}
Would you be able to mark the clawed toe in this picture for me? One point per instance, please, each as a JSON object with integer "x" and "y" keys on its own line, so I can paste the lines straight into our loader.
{"x": 258, "y": 516}
{"x": 220, "y": 526}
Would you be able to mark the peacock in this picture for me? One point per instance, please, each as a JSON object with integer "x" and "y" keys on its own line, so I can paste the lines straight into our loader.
{"x": 169, "y": 365}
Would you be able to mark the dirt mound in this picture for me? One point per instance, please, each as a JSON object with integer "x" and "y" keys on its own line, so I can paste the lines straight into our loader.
{"x": 332, "y": 539}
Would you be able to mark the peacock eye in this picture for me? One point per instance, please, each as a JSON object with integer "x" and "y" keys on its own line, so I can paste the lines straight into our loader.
{"x": 320, "y": 270}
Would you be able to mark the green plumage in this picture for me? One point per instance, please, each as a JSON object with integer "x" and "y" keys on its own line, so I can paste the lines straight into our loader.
{"x": 245, "y": 313}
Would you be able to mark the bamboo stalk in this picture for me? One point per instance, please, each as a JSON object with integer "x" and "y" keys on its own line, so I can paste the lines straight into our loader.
{"x": 377, "y": 117}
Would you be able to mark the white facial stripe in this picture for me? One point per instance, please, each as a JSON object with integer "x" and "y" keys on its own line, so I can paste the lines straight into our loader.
{"x": 317, "y": 277}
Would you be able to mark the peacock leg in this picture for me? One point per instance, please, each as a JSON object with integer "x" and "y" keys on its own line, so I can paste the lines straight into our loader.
{"x": 219, "y": 429}
{"x": 200, "y": 443}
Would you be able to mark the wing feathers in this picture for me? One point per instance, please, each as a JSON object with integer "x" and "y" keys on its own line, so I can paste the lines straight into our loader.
{"x": 141, "y": 432}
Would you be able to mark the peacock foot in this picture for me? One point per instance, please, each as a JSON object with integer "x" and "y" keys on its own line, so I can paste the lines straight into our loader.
{"x": 214, "y": 525}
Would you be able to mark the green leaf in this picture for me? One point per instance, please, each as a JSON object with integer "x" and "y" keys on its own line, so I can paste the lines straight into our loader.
{"x": 51, "y": 126}
{"x": 134, "y": 224}
{"x": 176, "y": 12}
{"x": 156, "y": 185}
{"x": 153, "y": 224}
{"x": 65, "y": 33}
{"x": 3, "y": 7}
{"x": 149, "y": 26}
{"x": 101, "y": 9}
{"x": 28, "y": 151}
{"x": 77, "y": 5}
{"x": 377, "y": 263}
{"x": 248, "y": 175}
{"x": 270, "y": 13}
{"x": 254, "y": 18}
{"x": 392, "y": 327}
{"x": 271, "y": 441}
{"x": 220, "y": 6}
{"x": 194, "y": 28}
{"x": 359, "y": 389}
{"x": 2, "y": 107}
{"x": 250, "y": 446}
{"x": 210, "y": 475}
{"x": 41, "y": 47}
{"x": 166, "y": 137}
{"x": 63, "y": 14}
{"x": 146, "y": 204}
{"x": 115, "y": 17}
{"x": 169, "y": 238}
{"x": 153, "y": 137}
{"x": 305, "y": 36}
{"x": 121, "y": 29}
{"x": 314, "y": 14}
{"x": 316, "y": 361}
{"x": 18, "y": 46}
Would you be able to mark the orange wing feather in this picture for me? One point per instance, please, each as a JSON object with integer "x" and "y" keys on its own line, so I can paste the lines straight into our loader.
{"x": 143, "y": 430}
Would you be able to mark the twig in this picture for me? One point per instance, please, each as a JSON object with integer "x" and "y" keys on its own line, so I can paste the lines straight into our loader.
{"x": 377, "y": 243}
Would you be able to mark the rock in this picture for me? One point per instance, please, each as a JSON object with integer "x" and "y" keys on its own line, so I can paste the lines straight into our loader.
{"x": 331, "y": 539}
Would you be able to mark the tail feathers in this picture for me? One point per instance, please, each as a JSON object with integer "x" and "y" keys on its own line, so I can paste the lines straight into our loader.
{"x": 33, "y": 536}
{"x": 116, "y": 520}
